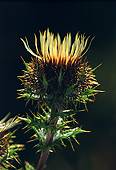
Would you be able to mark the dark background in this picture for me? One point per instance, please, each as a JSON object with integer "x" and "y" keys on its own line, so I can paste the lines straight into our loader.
{"x": 97, "y": 150}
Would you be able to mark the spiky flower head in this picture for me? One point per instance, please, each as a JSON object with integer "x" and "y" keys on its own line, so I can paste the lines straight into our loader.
{"x": 58, "y": 73}
{"x": 8, "y": 150}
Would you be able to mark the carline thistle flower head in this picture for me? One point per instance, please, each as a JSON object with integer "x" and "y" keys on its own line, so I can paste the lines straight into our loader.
{"x": 58, "y": 72}
{"x": 4, "y": 134}
{"x": 8, "y": 149}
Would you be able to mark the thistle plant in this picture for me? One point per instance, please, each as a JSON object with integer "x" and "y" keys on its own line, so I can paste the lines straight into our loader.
{"x": 8, "y": 149}
{"x": 58, "y": 80}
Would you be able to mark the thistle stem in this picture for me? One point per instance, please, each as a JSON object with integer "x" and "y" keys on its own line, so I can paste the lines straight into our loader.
{"x": 42, "y": 161}
{"x": 44, "y": 154}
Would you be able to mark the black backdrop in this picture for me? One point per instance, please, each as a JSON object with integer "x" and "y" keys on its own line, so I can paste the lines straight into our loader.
{"x": 97, "y": 150}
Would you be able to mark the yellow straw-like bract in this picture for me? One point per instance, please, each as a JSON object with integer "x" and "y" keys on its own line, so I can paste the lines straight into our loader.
{"x": 52, "y": 49}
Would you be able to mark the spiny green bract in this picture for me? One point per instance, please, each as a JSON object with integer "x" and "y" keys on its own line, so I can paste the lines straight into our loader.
{"x": 42, "y": 124}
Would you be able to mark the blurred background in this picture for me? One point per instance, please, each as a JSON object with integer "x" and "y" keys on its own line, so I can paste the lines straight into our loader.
{"x": 97, "y": 150}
